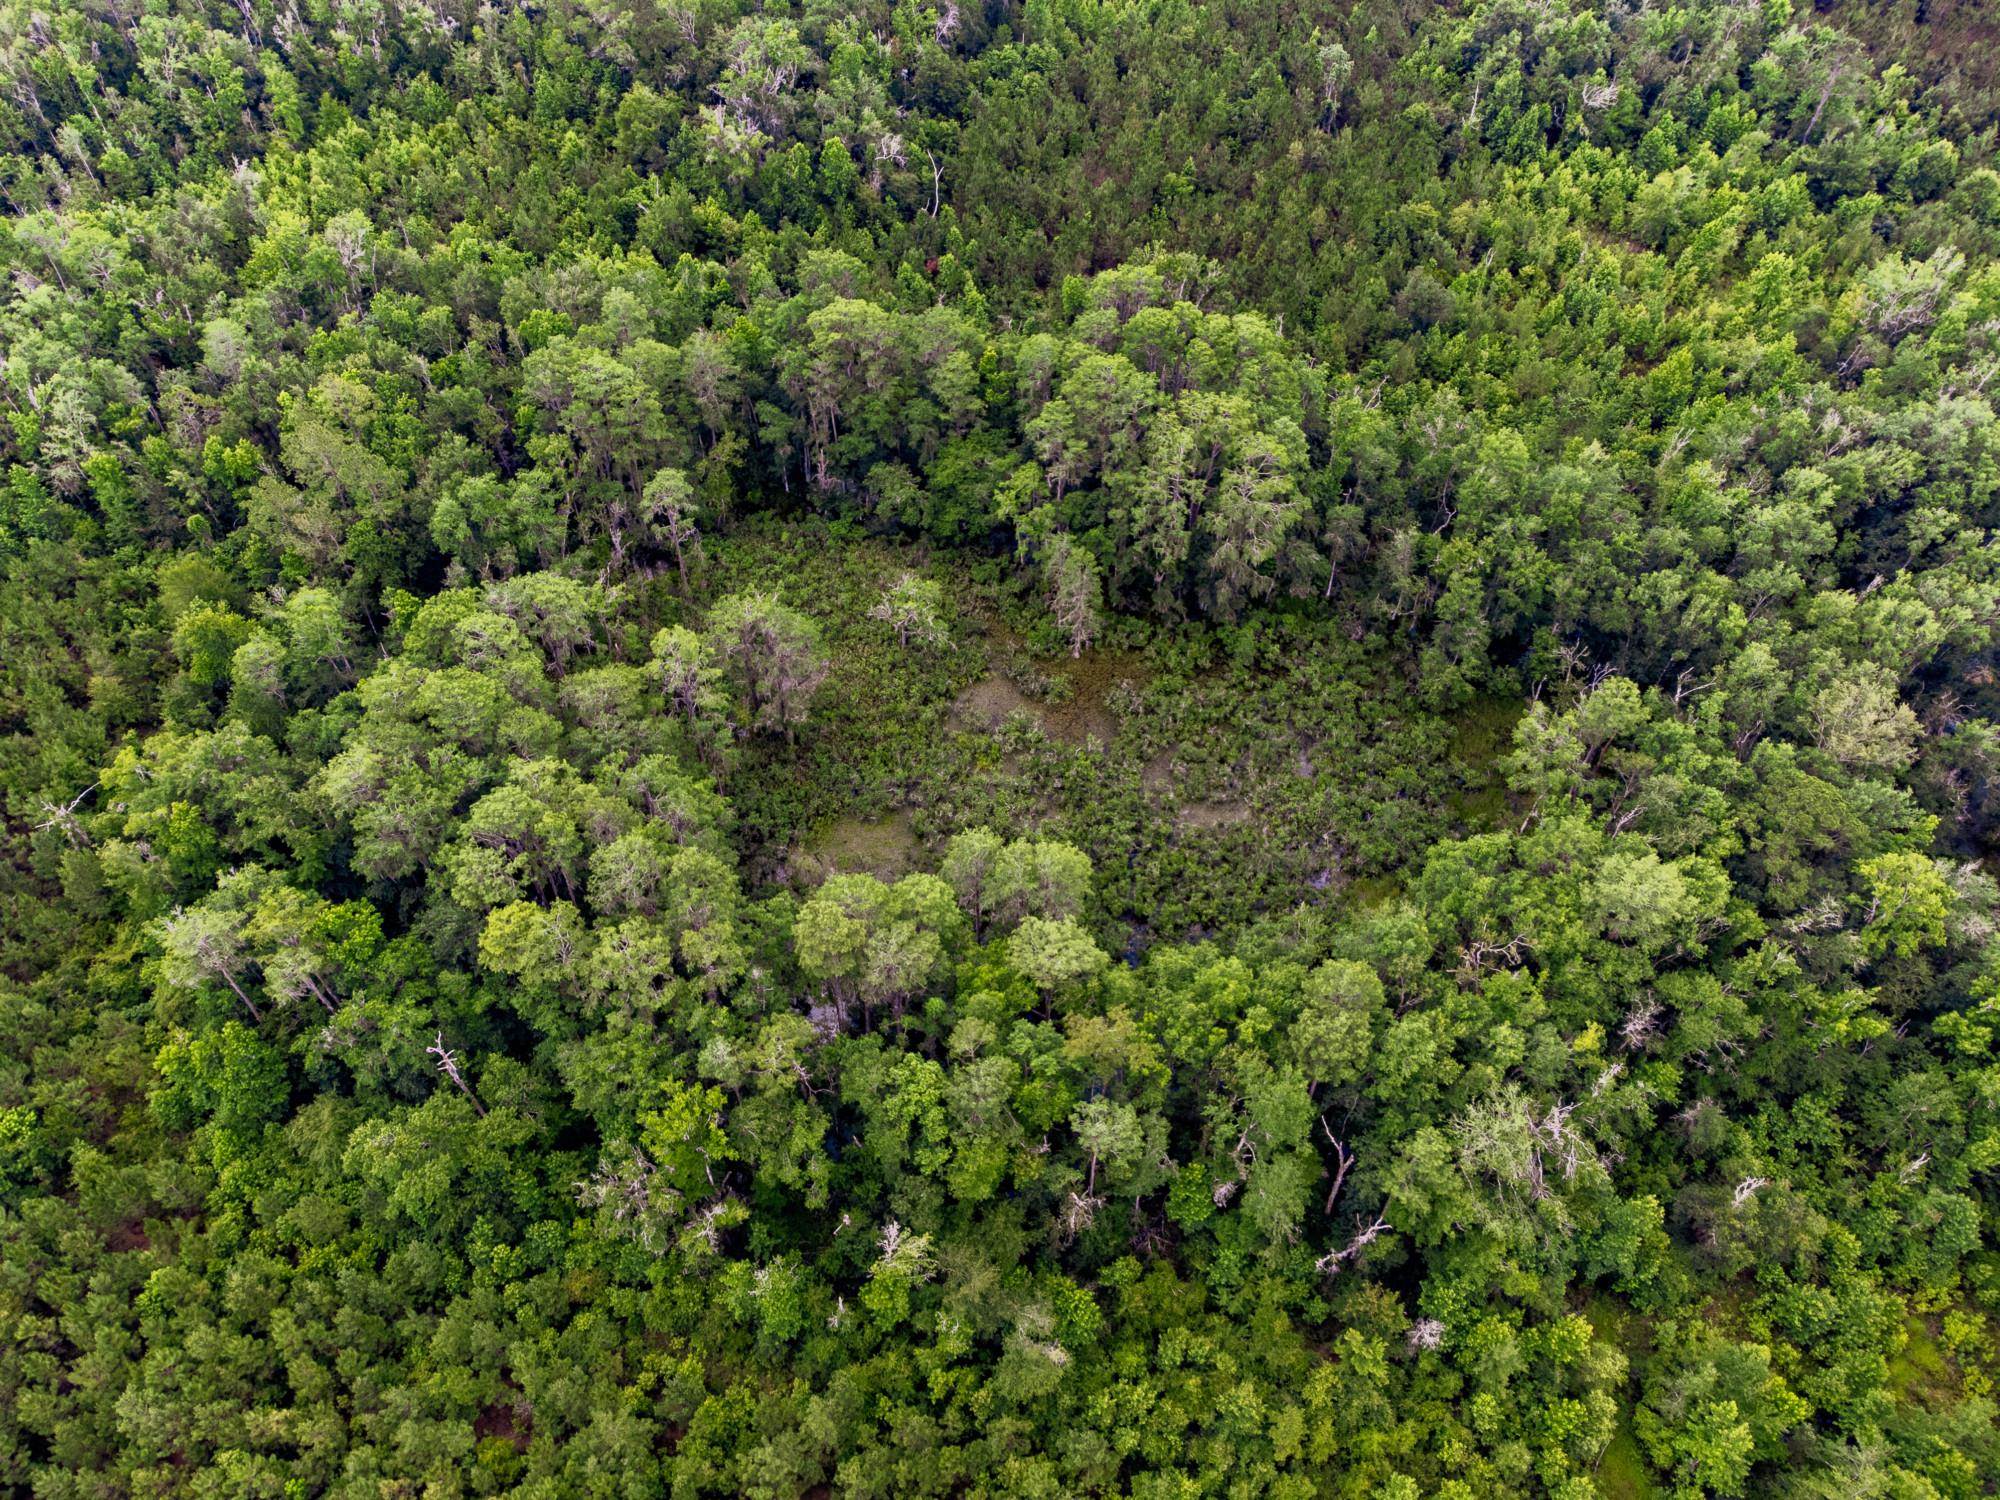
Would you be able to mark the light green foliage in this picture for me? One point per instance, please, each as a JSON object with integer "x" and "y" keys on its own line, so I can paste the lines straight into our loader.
{"x": 206, "y": 638}
{"x": 1054, "y": 954}
{"x": 773, "y": 654}
{"x": 913, "y": 608}
{"x": 1908, "y": 901}
{"x": 970, "y": 867}
{"x": 1039, "y": 878}
{"x": 539, "y": 946}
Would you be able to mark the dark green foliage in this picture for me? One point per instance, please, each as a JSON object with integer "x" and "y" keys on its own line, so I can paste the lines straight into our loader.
{"x": 1046, "y": 749}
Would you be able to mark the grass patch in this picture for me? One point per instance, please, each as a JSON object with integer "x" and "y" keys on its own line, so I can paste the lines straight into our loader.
{"x": 1483, "y": 732}
{"x": 886, "y": 847}
{"x": 1368, "y": 892}
{"x": 1622, "y": 1472}
{"x": 1621, "y": 1469}
{"x": 1921, "y": 1371}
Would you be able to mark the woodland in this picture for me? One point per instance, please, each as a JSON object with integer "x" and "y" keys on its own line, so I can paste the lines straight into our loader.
{"x": 1021, "y": 749}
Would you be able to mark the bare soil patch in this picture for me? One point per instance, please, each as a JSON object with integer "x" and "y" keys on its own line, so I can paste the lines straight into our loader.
{"x": 1213, "y": 814}
{"x": 885, "y": 847}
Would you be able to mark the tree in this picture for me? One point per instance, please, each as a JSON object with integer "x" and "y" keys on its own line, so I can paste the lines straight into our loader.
{"x": 774, "y": 654}
{"x": 319, "y": 644}
{"x": 702, "y": 909}
{"x": 540, "y": 946}
{"x": 1335, "y": 68}
{"x": 628, "y": 875}
{"x": 1110, "y": 1137}
{"x": 1713, "y": 1450}
{"x": 1054, "y": 954}
{"x": 305, "y": 944}
{"x": 1640, "y": 898}
{"x": 1035, "y": 877}
{"x": 1908, "y": 901}
{"x": 228, "y": 1079}
{"x": 201, "y": 944}
{"x": 668, "y": 514}
{"x": 1340, "y": 1006}
{"x": 1862, "y": 726}
{"x": 1074, "y": 591}
{"x": 558, "y": 614}
{"x": 495, "y": 527}
{"x": 1712, "y": 1410}
{"x": 257, "y": 692}
{"x": 206, "y": 638}
{"x": 685, "y": 667}
{"x": 913, "y": 607}
{"x": 874, "y": 942}
{"x": 970, "y": 862}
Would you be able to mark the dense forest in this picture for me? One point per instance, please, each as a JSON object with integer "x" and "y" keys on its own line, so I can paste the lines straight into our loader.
{"x": 1036, "y": 748}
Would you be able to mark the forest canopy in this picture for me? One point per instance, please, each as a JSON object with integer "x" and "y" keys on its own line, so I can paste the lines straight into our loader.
{"x": 1086, "y": 747}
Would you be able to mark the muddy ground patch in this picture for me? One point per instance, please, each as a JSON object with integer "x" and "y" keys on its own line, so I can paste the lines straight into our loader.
{"x": 1213, "y": 814}
{"x": 990, "y": 703}
{"x": 1072, "y": 700}
{"x": 885, "y": 847}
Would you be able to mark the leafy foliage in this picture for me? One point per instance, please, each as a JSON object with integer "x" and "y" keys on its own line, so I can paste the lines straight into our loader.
{"x": 1046, "y": 749}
